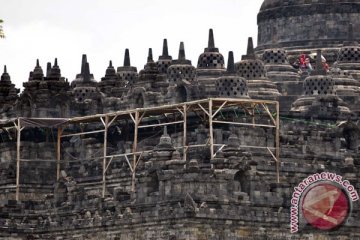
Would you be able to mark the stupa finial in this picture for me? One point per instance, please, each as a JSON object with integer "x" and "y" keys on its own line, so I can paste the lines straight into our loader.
{"x": 231, "y": 64}
{"x": 83, "y": 63}
{"x": 181, "y": 51}
{"x": 165, "y": 51}
{"x": 211, "y": 42}
{"x": 127, "y": 58}
{"x": 150, "y": 56}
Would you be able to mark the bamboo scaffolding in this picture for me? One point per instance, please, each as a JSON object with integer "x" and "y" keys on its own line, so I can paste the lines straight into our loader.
{"x": 106, "y": 125}
{"x": 244, "y": 124}
{"x": 185, "y": 109}
{"x": 18, "y": 141}
{"x": 277, "y": 141}
{"x": 210, "y": 107}
{"x": 219, "y": 109}
{"x": 136, "y": 131}
{"x": 58, "y": 152}
{"x": 211, "y": 131}
{"x": 36, "y": 160}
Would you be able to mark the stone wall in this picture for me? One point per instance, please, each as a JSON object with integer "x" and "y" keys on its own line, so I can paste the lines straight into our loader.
{"x": 234, "y": 196}
{"x": 302, "y": 26}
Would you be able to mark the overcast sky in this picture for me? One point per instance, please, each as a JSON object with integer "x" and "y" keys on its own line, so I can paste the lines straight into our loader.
{"x": 102, "y": 29}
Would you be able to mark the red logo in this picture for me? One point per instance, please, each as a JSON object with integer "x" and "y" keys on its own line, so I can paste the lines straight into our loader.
{"x": 325, "y": 206}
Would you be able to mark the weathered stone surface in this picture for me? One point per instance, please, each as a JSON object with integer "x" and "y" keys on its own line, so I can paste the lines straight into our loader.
{"x": 233, "y": 195}
{"x": 211, "y": 65}
{"x": 253, "y": 70}
{"x": 306, "y": 24}
{"x": 183, "y": 84}
{"x": 230, "y": 85}
{"x": 164, "y": 60}
{"x": 320, "y": 99}
{"x": 8, "y": 95}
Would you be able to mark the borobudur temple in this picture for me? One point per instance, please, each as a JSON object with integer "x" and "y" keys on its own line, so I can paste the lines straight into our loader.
{"x": 263, "y": 146}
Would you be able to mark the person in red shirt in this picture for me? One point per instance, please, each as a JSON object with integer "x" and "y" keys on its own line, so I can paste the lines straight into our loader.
{"x": 324, "y": 64}
{"x": 302, "y": 62}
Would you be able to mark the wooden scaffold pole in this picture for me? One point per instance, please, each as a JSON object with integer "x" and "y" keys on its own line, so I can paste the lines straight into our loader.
{"x": 106, "y": 125}
{"x": 18, "y": 142}
{"x": 136, "y": 131}
{"x": 58, "y": 152}
{"x": 211, "y": 133}
{"x": 277, "y": 142}
{"x": 185, "y": 108}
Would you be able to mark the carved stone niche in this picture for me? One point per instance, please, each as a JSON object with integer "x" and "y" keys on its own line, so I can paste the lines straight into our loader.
{"x": 65, "y": 190}
{"x": 351, "y": 133}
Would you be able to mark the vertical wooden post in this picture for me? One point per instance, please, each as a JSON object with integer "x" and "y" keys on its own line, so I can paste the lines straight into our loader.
{"x": 58, "y": 152}
{"x": 211, "y": 128}
{"x": 18, "y": 128}
{"x": 277, "y": 141}
{"x": 184, "y": 132}
{"x": 104, "y": 154}
{"x": 136, "y": 131}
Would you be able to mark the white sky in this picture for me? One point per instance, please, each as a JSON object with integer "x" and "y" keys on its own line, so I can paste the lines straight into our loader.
{"x": 102, "y": 29}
